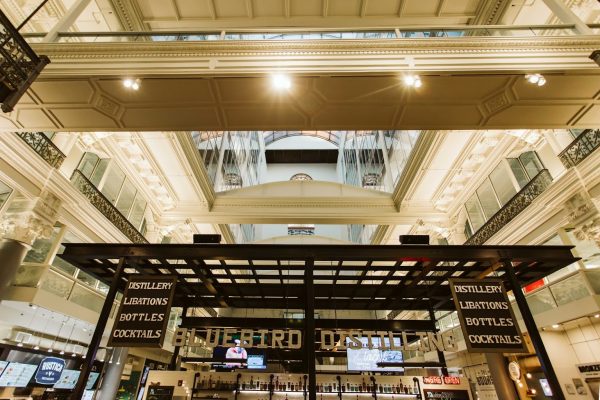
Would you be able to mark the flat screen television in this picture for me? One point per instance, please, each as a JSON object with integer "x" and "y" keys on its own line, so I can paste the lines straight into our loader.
{"x": 366, "y": 359}
{"x": 227, "y": 358}
{"x": 17, "y": 374}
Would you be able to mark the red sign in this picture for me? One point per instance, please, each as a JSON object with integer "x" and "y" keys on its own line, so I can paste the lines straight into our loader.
{"x": 451, "y": 380}
{"x": 432, "y": 380}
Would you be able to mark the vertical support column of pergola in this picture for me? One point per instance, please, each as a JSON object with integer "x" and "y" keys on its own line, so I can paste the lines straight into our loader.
{"x": 534, "y": 334}
{"x": 90, "y": 356}
{"x": 309, "y": 328}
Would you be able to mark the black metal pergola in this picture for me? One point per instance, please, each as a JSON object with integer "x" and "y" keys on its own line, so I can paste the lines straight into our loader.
{"x": 313, "y": 277}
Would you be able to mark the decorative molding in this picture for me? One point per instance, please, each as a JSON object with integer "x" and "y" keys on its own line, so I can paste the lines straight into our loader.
{"x": 27, "y": 220}
{"x": 191, "y": 153}
{"x": 459, "y": 54}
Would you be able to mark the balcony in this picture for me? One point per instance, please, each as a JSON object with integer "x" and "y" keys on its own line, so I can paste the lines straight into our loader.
{"x": 44, "y": 147}
{"x": 19, "y": 65}
{"x": 580, "y": 148}
{"x": 512, "y": 208}
{"x": 107, "y": 209}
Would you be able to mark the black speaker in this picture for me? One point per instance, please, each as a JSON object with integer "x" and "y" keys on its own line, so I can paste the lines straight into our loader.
{"x": 199, "y": 238}
{"x": 414, "y": 239}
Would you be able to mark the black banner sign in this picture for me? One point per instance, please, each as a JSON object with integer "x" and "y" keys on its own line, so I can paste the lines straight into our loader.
{"x": 441, "y": 394}
{"x": 144, "y": 312}
{"x": 486, "y": 317}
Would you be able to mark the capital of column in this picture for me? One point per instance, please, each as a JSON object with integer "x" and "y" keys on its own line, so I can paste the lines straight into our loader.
{"x": 29, "y": 219}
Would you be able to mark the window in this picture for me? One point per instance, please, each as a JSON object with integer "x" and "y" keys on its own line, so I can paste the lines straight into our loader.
{"x": 487, "y": 199}
{"x": 41, "y": 247}
{"x": 503, "y": 185}
{"x": 113, "y": 183}
{"x": 474, "y": 212}
{"x": 531, "y": 163}
{"x": 301, "y": 177}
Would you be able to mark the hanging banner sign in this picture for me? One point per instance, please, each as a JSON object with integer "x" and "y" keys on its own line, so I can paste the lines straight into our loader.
{"x": 49, "y": 371}
{"x": 144, "y": 312}
{"x": 486, "y": 317}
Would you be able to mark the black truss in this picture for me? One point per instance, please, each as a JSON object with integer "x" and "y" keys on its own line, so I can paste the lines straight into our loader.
{"x": 407, "y": 277}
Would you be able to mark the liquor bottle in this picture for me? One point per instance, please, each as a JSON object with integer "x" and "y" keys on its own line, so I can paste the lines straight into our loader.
{"x": 363, "y": 387}
{"x": 251, "y": 384}
{"x": 210, "y": 382}
{"x": 342, "y": 386}
{"x": 286, "y": 397}
{"x": 415, "y": 390}
{"x": 380, "y": 388}
{"x": 203, "y": 384}
{"x": 218, "y": 384}
{"x": 243, "y": 385}
{"x": 406, "y": 389}
{"x": 347, "y": 386}
{"x": 299, "y": 384}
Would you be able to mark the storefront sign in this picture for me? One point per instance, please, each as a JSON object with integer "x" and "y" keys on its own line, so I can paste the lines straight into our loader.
{"x": 432, "y": 380}
{"x": 486, "y": 317}
{"x": 329, "y": 339}
{"x": 446, "y": 394}
{"x": 589, "y": 370}
{"x": 144, "y": 313}
{"x": 451, "y": 380}
{"x": 49, "y": 371}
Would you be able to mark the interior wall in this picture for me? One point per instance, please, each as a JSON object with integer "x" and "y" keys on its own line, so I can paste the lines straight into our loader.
{"x": 283, "y": 172}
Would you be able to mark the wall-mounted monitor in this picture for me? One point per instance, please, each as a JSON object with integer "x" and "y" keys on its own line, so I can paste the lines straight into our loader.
{"x": 17, "y": 374}
{"x": 366, "y": 359}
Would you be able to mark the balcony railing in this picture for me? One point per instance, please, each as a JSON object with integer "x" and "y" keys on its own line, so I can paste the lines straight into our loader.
{"x": 518, "y": 203}
{"x": 103, "y": 205}
{"x": 580, "y": 148}
{"x": 19, "y": 65}
{"x": 44, "y": 147}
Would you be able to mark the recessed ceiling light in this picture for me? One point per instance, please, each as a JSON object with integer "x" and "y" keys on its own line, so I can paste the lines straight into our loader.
{"x": 281, "y": 82}
{"x": 556, "y": 326}
{"x": 597, "y": 316}
{"x": 413, "y": 81}
{"x": 536, "y": 79}
{"x": 130, "y": 83}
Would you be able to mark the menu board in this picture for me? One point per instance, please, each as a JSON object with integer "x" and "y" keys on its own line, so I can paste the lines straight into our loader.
{"x": 3, "y": 365}
{"x": 365, "y": 359}
{"x": 486, "y": 316}
{"x": 446, "y": 394}
{"x": 17, "y": 374}
{"x": 144, "y": 312}
{"x": 68, "y": 379}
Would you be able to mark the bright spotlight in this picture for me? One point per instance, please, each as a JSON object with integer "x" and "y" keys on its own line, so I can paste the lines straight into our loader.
{"x": 536, "y": 79}
{"x": 281, "y": 82}
{"x": 133, "y": 84}
{"x": 413, "y": 81}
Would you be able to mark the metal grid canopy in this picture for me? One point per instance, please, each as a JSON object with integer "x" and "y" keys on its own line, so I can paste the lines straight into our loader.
{"x": 344, "y": 277}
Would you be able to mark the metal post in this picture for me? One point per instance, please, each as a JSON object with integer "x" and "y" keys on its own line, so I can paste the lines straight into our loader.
{"x": 440, "y": 354}
{"x": 38, "y": 8}
{"x": 173, "y": 363}
{"x": 534, "y": 334}
{"x": 309, "y": 329}
{"x": 90, "y": 356}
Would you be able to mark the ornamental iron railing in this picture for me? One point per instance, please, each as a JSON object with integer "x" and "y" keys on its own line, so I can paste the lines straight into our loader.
{"x": 580, "y": 148}
{"x": 19, "y": 65}
{"x": 107, "y": 209}
{"x": 518, "y": 203}
{"x": 44, "y": 147}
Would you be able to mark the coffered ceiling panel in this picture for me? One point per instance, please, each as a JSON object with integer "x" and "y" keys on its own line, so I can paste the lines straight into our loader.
{"x": 265, "y": 14}
{"x": 313, "y": 102}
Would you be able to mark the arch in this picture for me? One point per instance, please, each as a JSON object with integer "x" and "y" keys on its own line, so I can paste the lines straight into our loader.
{"x": 330, "y": 136}
{"x": 301, "y": 177}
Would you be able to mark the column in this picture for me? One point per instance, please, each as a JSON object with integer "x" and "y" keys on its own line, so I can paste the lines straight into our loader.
{"x": 65, "y": 22}
{"x": 505, "y": 388}
{"x": 24, "y": 221}
{"x": 112, "y": 375}
{"x": 567, "y": 16}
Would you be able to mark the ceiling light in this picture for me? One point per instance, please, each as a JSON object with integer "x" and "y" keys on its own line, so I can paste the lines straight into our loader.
{"x": 556, "y": 326}
{"x": 36, "y": 347}
{"x": 133, "y": 84}
{"x": 528, "y": 375}
{"x": 62, "y": 352}
{"x": 281, "y": 82}
{"x": 20, "y": 344}
{"x": 597, "y": 316}
{"x": 536, "y": 79}
{"x": 520, "y": 385}
{"x": 413, "y": 81}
